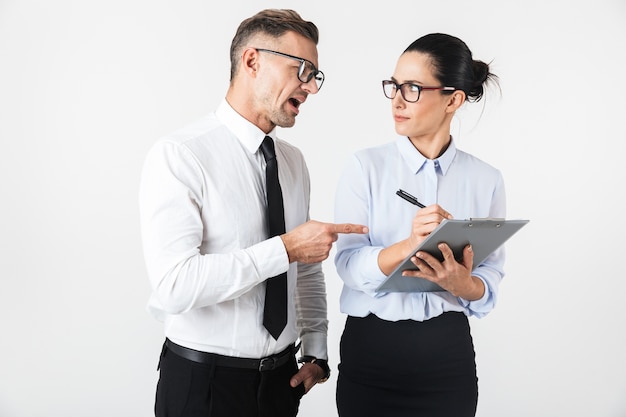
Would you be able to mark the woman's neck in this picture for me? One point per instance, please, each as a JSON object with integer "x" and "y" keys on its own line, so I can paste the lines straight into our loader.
{"x": 432, "y": 147}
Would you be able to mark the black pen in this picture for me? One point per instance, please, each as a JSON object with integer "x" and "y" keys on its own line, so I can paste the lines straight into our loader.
{"x": 408, "y": 197}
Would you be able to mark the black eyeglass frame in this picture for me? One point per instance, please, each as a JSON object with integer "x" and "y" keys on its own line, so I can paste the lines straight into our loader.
{"x": 314, "y": 73}
{"x": 420, "y": 88}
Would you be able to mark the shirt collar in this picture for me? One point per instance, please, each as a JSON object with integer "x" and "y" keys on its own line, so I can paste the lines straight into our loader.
{"x": 247, "y": 133}
{"x": 415, "y": 160}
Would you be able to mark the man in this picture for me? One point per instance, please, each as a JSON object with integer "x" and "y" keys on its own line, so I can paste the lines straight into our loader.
{"x": 211, "y": 246}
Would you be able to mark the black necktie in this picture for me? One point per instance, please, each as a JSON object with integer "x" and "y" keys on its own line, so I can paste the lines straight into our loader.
{"x": 275, "y": 313}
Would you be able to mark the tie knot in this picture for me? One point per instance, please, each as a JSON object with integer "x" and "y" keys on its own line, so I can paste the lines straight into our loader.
{"x": 267, "y": 147}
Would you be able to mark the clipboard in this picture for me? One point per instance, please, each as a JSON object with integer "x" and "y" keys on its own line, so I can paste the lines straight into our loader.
{"x": 485, "y": 234}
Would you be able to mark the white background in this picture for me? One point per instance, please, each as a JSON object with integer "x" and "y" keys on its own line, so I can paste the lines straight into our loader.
{"x": 86, "y": 87}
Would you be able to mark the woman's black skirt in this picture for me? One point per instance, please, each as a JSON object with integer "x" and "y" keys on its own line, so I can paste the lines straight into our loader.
{"x": 407, "y": 368}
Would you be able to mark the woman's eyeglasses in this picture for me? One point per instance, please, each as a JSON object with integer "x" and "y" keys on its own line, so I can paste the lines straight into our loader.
{"x": 410, "y": 92}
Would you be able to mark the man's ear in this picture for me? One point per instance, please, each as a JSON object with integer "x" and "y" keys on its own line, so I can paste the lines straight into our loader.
{"x": 250, "y": 61}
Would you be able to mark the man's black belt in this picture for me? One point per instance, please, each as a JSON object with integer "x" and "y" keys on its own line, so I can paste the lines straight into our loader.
{"x": 263, "y": 364}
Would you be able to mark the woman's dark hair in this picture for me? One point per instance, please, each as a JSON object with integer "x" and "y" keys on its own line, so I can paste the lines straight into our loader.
{"x": 454, "y": 65}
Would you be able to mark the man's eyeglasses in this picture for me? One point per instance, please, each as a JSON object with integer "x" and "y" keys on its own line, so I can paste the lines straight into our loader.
{"x": 306, "y": 70}
{"x": 410, "y": 92}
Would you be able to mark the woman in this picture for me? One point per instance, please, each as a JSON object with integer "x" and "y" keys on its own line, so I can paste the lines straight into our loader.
{"x": 411, "y": 354}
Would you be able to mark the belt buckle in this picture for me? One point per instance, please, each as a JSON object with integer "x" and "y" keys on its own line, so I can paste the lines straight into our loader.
{"x": 267, "y": 364}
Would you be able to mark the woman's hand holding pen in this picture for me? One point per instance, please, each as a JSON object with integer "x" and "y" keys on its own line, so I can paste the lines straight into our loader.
{"x": 424, "y": 222}
{"x": 451, "y": 275}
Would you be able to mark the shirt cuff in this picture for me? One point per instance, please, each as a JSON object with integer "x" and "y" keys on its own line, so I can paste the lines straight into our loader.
{"x": 271, "y": 257}
{"x": 315, "y": 344}
{"x": 477, "y": 305}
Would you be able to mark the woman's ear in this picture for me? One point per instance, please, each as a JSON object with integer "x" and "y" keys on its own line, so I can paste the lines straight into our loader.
{"x": 456, "y": 100}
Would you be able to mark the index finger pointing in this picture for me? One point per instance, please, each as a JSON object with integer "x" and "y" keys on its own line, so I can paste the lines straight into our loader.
{"x": 349, "y": 228}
